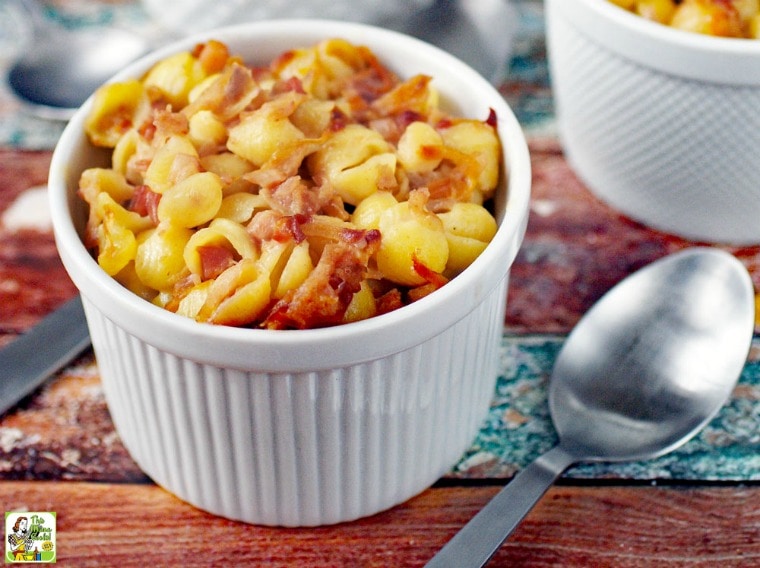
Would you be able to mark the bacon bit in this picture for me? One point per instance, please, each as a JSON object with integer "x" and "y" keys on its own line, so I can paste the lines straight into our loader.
{"x": 319, "y": 229}
{"x": 454, "y": 180}
{"x": 285, "y": 163}
{"x": 359, "y": 236}
{"x": 181, "y": 288}
{"x": 292, "y": 197}
{"x": 372, "y": 82}
{"x": 122, "y": 123}
{"x": 271, "y": 225}
{"x": 269, "y": 177}
{"x": 215, "y": 259}
{"x": 147, "y": 130}
{"x": 292, "y": 84}
{"x": 228, "y": 95}
{"x": 433, "y": 278}
{"x": 453, "y": 186}
{"x": 412, "y": 95}
{"x": 264, "y": 225}
{"x": 407, "y": 117}
{"x": 144, "y": 202}
{"x": 294, "y": 227}
{"x": 338, "y": 120}
{"x": 136, "y": 168}
{"x": 492, "y": 119}
{"x": 389, "y": 301}
{"x": 169, "y": 123}
{"x": 323, "y": 297}
{"x": 445, "y": 123}
{"x": 332, "y": 204}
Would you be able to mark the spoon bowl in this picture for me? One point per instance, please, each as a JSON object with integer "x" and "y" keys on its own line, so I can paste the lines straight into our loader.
{"x": 647, "y": 367}
{"x": 65, "y": 67}
{"x": 654, "y": 359}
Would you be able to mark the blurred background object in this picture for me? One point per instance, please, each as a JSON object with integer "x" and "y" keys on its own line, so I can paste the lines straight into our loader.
{"x": 480, "y": 32}
{"x": 55, "y": 54}
{"x": 186, "y": 17}
{"x": 658, "y": 122}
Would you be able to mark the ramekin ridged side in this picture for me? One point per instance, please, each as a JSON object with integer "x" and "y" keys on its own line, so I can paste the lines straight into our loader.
{"x": 302, "y": 449}
{"x": 659, "y": 123}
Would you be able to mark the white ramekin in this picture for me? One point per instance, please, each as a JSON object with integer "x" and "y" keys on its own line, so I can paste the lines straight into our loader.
{"x": 660, "y": 123}
{"x": 309, "y": 427}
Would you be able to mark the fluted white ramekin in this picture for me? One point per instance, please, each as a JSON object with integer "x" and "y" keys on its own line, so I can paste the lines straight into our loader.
{"x": 660, "y": 123}
{"x": 309, "y": 427}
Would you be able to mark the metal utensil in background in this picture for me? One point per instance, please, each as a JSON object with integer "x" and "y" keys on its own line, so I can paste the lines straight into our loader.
{"x": 33, "y": 357}
{"x": 644, "y": 370}
{"x": 60, "y": 68}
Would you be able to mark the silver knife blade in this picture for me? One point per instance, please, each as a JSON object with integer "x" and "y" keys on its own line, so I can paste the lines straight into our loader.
{"x": 30, "y": 359}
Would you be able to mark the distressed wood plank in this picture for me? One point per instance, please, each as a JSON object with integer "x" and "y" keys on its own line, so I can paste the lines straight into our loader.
{"x": 138, "y": 524}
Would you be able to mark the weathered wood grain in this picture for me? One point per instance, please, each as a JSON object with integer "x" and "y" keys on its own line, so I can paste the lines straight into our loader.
{"x": 139, "y": 525}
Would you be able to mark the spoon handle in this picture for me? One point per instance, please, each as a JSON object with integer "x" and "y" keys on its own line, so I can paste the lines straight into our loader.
{"x": 480, "y": 538}
{"x": 33, "y": 357}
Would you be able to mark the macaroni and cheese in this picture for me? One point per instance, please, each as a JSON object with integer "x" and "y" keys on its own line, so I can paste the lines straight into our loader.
{"x": 318, "y": 190}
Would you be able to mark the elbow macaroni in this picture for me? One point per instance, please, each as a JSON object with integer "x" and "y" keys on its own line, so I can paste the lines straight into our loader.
{"x": 316, "y": 191}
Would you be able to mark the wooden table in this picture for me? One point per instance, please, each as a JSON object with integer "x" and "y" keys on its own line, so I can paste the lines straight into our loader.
{"x": 58, "y": 450}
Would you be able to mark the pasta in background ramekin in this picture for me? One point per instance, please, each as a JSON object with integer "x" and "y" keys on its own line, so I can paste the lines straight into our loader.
{"x": 303, "y": 427}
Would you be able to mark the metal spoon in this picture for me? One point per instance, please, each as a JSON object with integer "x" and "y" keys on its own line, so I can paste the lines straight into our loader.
{"x": 63, "y": 67}
{"x": 644, "y": 370}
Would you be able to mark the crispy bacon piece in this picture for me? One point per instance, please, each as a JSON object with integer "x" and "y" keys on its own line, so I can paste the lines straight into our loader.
{"x": 291, "y": 84}
{"x": 273, "y": 225}
{"x": 168, "y": 123}
{"x": 338, "y": 120}
{"x": 145, "y": 202}
{"x": 284, "y": 164}
{"x": 215, "y": 259}
{"x": 434, "y": 280}
{"x": 373, "y": 81}
{"x": 228, "y": 95}
{"x": 365, "y": 86}
{"x": 147, "y": 130}
{"x": 451, "y": 182}
{"x": 409, "y": 96}
{"x": 492, "y": 119}
{"x": 391, "y": 300}
{"x": 323, "y": 297}
{"x": 293, "y": 197}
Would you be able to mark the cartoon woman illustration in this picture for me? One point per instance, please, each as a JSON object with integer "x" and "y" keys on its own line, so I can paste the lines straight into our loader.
{"x": 19, "y": 539}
